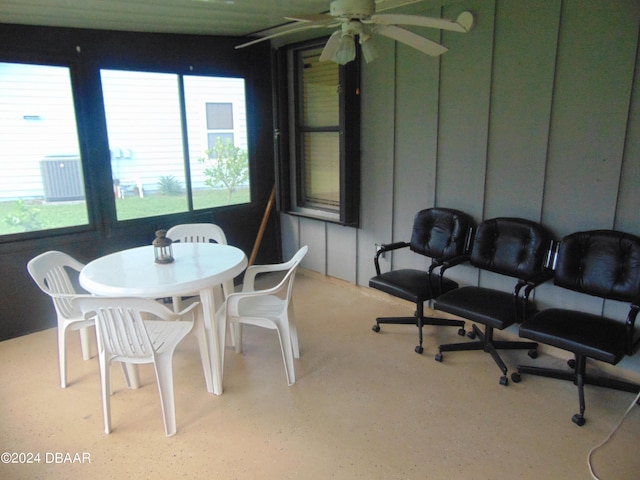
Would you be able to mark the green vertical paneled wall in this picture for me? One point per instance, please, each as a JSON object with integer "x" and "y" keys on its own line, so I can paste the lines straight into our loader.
{"x": 535, "y": 113}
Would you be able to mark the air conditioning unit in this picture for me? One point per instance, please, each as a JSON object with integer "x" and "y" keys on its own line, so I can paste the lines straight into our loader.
{"x": 62, "y": 178}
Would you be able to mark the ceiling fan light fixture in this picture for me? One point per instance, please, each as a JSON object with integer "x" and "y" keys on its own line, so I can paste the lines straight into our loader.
{"x": 346, "y": 51}
{"x": 368, "y": 47}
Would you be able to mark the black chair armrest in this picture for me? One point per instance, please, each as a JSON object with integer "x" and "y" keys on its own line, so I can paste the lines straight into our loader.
{"x": 538, "y": 279}
{"x": 387, "y": 247}
{"x": 523, "y": 289}
{"x": 452, "y": 262}
{"x": 634, "y": 340}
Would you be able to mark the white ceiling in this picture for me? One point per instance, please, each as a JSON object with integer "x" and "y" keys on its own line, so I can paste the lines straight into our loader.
{"x": 211, "y": 17}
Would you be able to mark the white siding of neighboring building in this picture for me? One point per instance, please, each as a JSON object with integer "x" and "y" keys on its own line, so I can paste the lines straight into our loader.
{"x": 37, "y": 120}
{"x": 148, "y": 133}
{"x": 198, "y": 93}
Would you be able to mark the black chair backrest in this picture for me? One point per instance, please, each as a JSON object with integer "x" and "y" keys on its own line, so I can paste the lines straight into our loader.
{"x": 441, "y": 233}
{"x": 515, "y": 247}
{"x": 603, "y": 263}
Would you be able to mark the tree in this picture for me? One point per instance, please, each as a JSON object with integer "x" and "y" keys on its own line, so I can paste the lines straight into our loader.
{"x": 226, "y": 166}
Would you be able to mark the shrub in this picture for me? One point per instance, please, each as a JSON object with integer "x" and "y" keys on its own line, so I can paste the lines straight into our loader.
{"x": 169, "y": 185}
{"x": 26, "y": 217}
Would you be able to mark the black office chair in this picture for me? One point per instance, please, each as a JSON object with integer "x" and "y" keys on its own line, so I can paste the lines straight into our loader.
{"x": 513, "y": 247}
{"x": 601, "y": 263}
{"x": 442, "y": 235}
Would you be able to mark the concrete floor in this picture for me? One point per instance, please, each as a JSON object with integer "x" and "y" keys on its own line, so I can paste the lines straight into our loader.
{"x": 364, "y": 406}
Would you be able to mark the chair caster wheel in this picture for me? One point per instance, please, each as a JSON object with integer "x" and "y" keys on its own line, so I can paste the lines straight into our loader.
{"x": 376, "y": 328}
{"x": 515, "y": 377}
{"x": 419, "y": 349}
{"x": 461, "y": 332}
{"x": 471, "y": 334}
{"x": 504, "y": 380}
{"x": 438, "y": 357}
{"x": 578, "y": 419}
{"x": 533, "y": 353}
{"x": 571, "y": 363}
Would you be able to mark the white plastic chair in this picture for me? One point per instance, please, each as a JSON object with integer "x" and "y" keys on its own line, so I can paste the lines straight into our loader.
{"x": 50, "y": 272}
{"x": 125, "y": 334}
{"x": 199, "y": 233}
{"x": 270, "y": 308}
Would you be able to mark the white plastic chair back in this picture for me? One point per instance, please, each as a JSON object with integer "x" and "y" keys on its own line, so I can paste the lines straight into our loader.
{"x": 125, "y": 334}
{"x": 197, "y": 233}
{"x": 49, "y": 271}
{"x": 269, "y": 308}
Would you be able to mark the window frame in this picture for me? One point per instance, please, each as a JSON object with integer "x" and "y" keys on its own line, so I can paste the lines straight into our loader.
{"x": 95, "y": 157}
{"x": 287, "y": 137}
{"x": 226, "y": 132}
{"x": 79, "y": 107}
{"x": 180, "y": 76}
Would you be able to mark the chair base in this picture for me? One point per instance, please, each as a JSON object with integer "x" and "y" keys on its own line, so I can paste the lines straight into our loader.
{"x": 487, "y": 344}
{"x": 419, "y": 322}
{"x": 579, "y": 378}
{"x": 595, "y": 380}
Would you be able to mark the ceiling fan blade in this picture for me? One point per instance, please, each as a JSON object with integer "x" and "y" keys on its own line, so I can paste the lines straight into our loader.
{"x": 382, "y": 5}
{"x": 282, "y": 33}
{"x": 416, "y": 20}
{"x": 409, "y": 38}
{"x": 314, "y": 17}
{"x": 331, "y": 46}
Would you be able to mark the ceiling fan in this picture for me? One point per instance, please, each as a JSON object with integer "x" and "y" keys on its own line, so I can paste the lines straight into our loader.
{"x": 358, "y": 18}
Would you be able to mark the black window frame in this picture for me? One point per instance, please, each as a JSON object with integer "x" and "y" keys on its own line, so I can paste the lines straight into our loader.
{"x": 288, "y": 158}
{"x": 96, "y": 174}
{"x": 180, "y": 75}
{"x": 78, "y": 89}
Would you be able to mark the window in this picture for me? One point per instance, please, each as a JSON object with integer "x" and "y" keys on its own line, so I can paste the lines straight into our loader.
{"x": 216, "y": 109}
{"x": 219, "y": 123}
{"x": 323, "y": 123}
{"x": 177, "y": 143}
{"x": 146, "y": 131}
{"x": 318, "y": 128}
{"x": 41, "y": 180}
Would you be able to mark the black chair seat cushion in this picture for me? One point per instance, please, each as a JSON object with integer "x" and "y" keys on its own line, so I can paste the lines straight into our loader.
{"x": 586, "y": 334}
{"x": 482, "y": 305}
{"x": 411, "y": 285}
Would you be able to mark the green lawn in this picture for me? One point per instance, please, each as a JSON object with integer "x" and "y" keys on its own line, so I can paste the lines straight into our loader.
{"x": 36, "y": 215}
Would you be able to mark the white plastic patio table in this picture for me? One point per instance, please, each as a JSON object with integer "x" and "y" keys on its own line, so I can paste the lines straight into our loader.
{"x": 198, "y": 267}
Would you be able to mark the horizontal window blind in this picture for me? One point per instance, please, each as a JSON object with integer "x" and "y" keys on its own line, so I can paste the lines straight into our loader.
{"x": 320, "y": 132}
